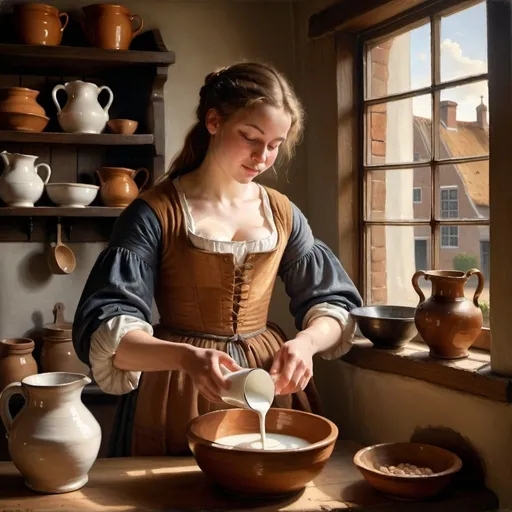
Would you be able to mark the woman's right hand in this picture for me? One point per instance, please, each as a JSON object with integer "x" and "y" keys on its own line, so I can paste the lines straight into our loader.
{"x": 203, "y": 366}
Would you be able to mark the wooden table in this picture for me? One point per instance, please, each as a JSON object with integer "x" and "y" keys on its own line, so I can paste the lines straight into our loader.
{"x": 175, "y": 484}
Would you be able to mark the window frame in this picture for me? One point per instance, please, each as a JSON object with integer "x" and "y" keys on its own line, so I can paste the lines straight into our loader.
{"x": 421, "y": 195}
{"x": 431, "y": 12}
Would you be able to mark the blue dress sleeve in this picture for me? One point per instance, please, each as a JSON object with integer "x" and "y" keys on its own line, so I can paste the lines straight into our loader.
{"x": 121, "y": 281}
{"x": 312, "y": 274}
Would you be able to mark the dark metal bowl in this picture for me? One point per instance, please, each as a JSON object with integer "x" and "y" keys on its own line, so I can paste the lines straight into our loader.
{"x": 386, "y": 326}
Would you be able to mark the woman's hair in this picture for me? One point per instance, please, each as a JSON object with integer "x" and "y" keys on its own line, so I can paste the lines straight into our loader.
{"x": 241, "y": 85}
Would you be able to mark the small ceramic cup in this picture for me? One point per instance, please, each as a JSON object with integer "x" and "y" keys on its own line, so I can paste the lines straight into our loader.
{"x": 249, "y": 388}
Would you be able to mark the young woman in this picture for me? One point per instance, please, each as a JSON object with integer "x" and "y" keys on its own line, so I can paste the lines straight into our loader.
{"x": 207, "y": 242}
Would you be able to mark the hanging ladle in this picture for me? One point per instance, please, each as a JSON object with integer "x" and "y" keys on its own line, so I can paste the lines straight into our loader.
{"x": 61, "y": 258}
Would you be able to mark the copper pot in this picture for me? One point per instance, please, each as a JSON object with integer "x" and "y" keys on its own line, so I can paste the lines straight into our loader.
{"x": 448, "y": 322}
{"x": 118, "y": 187}
{"x": 20, "y": 100}
{"x": 39, "y": 24}
{"x": 110, "y": 26}
{"x": 16, "y": 360}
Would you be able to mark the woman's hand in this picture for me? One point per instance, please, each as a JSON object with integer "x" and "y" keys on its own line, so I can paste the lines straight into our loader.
{"x": 203, "y": 366}
{"x": 293, "y": 365}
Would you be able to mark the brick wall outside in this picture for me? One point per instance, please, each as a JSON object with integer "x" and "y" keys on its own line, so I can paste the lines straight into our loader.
{"x": 379, "y": 58}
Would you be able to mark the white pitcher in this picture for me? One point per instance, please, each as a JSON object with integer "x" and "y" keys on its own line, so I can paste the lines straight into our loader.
{"x": 82, "y": 112}
{"x": 20, "y": 185}
{"x": 54, "y": 440}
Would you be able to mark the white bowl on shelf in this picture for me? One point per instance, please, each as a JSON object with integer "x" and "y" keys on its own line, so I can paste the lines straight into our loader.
{"x": 72, "y": 195}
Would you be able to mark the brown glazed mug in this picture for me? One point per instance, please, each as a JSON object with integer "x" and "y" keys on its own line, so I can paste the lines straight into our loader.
{"x": 110, "y": 26}
{"x": 39, "y": 24}
{"x": 16, "y": 360}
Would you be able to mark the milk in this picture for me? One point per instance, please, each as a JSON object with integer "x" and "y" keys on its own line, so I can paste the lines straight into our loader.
{"x": 254, "y": 441}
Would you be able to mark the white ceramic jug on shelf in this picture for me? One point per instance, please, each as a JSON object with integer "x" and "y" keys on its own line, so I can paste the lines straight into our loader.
{"x": 20, "y": 185}
{"x": 54, "y": 439}
{"x": 82, "y": 112}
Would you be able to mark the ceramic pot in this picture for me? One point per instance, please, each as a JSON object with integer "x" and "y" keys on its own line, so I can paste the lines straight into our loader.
{"x": 20, "y": 185}
{"x": 39, "y": 24}
{"x": 20, "y": 100}
{"x": 82, "y": 112}
{"x": 110, "y": 26}
{"x": 118, "y": 187}
{"x": 16, "y": 360}
{"x": 58, "y": 353}
{"x": 54, "y": 440}
{"x": 448, "y": 322}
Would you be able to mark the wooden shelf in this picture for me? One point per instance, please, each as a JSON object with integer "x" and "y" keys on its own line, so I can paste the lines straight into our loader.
{"x": 58, "y": 211}
{"x": 72, "y": 58}
{"x": 101, "y": 139}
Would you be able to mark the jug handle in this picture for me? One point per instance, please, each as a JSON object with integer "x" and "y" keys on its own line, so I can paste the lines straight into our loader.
{"x": 137, "y": 17}
{"x": 48, "y": 172}
{"x": 55, "y": 90}
{"x": 9, "y": 390}
{"x": 146, "y": 172}
{"x": 110, "y": 100}
{"x": 5, "y": 159}
{"x": 66, "y": 20}
{"x": 480, "y": 286}
{"x": 416, "y": 286}
{"x": 97, "y": 172}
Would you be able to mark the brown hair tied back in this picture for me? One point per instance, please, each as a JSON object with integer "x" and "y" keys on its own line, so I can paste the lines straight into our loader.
{"x": 229, "y": 89}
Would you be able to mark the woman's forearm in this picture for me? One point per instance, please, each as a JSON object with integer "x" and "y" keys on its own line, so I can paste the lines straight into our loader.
{"x": 322, "y": 333}
{"x": 139, "y": 351}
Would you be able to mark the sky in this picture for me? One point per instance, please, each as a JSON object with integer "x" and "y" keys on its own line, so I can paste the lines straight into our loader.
{"x": 463, "y": 53}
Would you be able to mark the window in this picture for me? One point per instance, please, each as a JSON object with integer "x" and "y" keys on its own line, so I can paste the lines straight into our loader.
{"x": 426, "y": 149}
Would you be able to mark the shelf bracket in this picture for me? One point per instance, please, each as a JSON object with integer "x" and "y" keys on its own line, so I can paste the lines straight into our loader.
{"x": 30, "y": 228}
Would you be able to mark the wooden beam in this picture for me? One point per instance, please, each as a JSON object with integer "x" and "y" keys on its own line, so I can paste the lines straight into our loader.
{"x": 355, "y": 16}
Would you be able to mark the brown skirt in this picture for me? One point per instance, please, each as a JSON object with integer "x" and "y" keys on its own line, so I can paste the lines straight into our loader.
{"x": 168, "y": 401}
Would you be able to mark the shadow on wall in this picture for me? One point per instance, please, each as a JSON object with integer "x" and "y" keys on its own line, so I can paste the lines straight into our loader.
{"x": 473, "y": 470}
{"x": 33, "y": 270}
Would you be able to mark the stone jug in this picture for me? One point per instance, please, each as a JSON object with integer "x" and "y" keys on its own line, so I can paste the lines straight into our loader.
{"x": 82, "y": 112}
{"x": 448, "y": 322}
{"x": 118, "y": 187}
{"x": 54, "y": 440}
{"x": 16, "y": 360}
{"x": 20, "y": 185}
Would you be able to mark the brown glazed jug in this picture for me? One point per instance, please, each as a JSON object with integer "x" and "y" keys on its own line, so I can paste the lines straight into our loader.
{"x": 118, "y": 187}
{"x": 20, "y": 100}
{"x": 39, "y": 24}
{"x": 16, "y": 361}
{"x": 448, "y": 322}
{"x": 110, "y": 26}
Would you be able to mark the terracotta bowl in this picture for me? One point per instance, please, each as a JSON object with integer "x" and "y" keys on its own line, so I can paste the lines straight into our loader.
{"x": 23, "y": 122}
{"x": 443, "y": 463}
{"x": 386, "y": 326}
{"x": 259, "y": 473}
{"x": 122, "y": 126}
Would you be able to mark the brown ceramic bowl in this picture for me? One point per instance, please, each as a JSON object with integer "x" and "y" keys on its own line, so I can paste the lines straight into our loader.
{"x": 23, "y": 122}
{"x": 122, "y": 126}
{"x": 443, "y": 463}
{"x": 258, "y": 473}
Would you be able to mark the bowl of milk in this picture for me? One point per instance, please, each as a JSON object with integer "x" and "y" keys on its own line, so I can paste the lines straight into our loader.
{"x": 277, "y": 458}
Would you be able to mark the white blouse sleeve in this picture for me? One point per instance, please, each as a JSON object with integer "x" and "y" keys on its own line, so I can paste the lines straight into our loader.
{"x": 348, "y": 327}
{"x": 104, "y": 342}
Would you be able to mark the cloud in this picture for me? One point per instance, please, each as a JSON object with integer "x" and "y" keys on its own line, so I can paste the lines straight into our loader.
{"x": 422, "y": 56}
{"x": 455, "y": 64}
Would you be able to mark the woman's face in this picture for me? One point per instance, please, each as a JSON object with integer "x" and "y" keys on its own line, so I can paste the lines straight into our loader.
{"x": 247, "y": 143}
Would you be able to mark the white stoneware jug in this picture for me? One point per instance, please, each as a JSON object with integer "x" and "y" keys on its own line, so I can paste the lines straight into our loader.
{"x": 20, "y": 185}
{"x": 54, "y": 439}
{"x": 82, "y": 112}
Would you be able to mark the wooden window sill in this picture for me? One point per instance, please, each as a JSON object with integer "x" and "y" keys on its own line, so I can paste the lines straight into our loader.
{"x": 471, "y": 375}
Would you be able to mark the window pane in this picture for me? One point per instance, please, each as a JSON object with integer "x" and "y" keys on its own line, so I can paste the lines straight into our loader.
{"x": 392, "y": 194}
{"x": 473, "y": 251}
{"x": 399, "y": 64}
{"x": 464, "y": 43}
{"x": 394, "y": 254}
{"x": 470, "y": 197}
{"x": 464, "y": 121}
{"x": 399, "y": 131}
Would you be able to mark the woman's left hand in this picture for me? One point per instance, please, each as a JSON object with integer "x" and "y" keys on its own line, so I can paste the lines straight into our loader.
{"x": 292, "y": 367}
